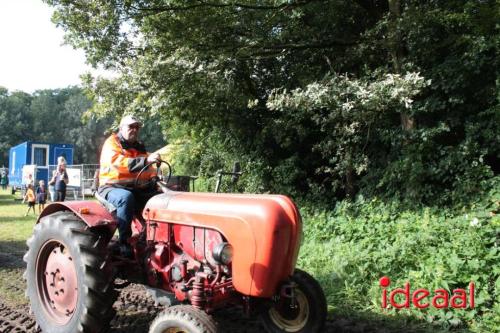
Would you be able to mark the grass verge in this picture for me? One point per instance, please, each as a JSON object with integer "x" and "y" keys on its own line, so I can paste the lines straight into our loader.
{"x": 351, "y": 247}
{"x": 15, "y": 228}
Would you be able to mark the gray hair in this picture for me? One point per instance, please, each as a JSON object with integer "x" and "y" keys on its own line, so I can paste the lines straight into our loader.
{"x": 61, "y": 160}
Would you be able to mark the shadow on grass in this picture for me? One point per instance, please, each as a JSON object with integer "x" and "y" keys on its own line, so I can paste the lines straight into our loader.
{"x": 6, "y": 197}
{"x": 20, "y": 218}
{"x": 364, "y": 322}
{"x": 10, "y": 202}
{"x": 11, "y": 254}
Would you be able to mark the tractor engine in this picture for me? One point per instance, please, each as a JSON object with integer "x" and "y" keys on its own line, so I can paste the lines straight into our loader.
{"x": 192, "y": 262}
{"x": 210, "y": 248}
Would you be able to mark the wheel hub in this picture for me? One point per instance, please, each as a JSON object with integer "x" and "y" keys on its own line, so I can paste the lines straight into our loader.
{"x": 291, "y": 315}
{"x": 58, "y": 282}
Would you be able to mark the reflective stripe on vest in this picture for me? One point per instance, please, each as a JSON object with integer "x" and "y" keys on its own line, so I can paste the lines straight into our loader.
{"x": 114, "y": 164}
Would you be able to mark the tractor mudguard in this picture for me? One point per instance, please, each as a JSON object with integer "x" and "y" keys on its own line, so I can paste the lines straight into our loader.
{"x": 90, "y": 212}
{"x": 264, "y": 230}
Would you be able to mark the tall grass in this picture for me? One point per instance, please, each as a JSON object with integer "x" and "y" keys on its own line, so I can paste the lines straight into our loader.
{"x": 351, "y": 247}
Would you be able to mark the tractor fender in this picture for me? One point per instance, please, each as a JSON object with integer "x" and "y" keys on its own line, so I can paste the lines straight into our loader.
{"x": 90, "y": 212}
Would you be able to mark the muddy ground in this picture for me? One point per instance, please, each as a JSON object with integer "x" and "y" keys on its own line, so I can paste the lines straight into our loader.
{"x": 136, "y": 310}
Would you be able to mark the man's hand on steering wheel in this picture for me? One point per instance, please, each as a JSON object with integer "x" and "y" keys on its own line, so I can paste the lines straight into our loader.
{"x": 153, "y": 157}
{"x": 158, "y": 179}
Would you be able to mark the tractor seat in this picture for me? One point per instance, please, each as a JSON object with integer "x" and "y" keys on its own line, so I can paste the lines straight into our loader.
{"x": 108, "y": 205}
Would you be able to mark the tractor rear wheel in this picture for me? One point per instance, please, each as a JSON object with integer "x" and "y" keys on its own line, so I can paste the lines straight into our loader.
{"x": 183, "y": 319}
{"x": 69, "y": 278}
{"x": 305, "y": 313}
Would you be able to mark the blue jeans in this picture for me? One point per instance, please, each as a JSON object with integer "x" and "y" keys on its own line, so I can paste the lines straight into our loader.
{"x": 60, "y": 195}
{"x": 125, "y": 203}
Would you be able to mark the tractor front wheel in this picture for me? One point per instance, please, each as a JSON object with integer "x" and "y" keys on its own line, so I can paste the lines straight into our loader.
{"x": 183, "y": 319}
{"x": 304, "y": 312}
{"x": 69, "y": 280}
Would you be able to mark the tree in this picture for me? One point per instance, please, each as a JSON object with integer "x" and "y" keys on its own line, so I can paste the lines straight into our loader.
{"x": 15, "y": 120}
{"x": 52, "y": 116}
{"x": 219, "y": 67}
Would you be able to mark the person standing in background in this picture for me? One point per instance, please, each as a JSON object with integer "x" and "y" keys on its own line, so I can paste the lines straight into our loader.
{"x": 41, "y": 196}
{"x": 60, "y": 179}
{"x": 29, "y": 197}
{"x": 4, "y": 180}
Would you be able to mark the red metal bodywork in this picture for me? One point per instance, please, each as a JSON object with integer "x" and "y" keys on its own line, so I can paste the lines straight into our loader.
{"x": 182, "y": 229}
{"x": 92, "y": 212}
{"x": 264, "y": 230}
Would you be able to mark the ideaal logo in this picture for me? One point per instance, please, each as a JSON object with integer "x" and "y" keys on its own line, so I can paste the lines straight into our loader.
{"x": 460, "y": 299}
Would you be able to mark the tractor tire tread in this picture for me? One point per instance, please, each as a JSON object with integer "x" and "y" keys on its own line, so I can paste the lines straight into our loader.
{"x": 206, "y": 318}
{"x": 88, "y": 249}
{"x": 199, "y": 320}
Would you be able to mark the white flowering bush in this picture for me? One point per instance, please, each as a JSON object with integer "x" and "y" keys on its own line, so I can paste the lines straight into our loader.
{"x": 350, "y": 115}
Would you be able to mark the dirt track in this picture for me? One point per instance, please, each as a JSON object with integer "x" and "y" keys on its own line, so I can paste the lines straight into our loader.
{"x": 136, "y": 310}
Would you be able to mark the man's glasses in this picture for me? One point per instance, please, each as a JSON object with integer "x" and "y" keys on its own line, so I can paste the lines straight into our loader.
{"x": 134, "y": 126}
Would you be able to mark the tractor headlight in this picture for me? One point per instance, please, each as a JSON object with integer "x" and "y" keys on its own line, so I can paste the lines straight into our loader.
{"x": 223, "y": 253}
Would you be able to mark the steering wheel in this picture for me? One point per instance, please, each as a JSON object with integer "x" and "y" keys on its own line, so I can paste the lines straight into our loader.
{"x": 156, "y": 180}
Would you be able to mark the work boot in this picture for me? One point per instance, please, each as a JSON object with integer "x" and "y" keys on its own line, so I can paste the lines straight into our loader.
{"x": 120, "y": 249}
{"x": 126, "y": 251}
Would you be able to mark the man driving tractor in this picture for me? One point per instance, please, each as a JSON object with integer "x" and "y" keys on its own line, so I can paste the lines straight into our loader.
{"x": 123, "y": 156}
{"x": 195, "y": 252}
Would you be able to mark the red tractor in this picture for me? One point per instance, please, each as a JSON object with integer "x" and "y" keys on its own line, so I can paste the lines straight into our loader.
{"x": 195, "y": 252}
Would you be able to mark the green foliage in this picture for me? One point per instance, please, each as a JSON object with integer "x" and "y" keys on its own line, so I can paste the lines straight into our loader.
{"x": 350, "y": 116}
{"x": 50, "y": 116}
{"x": 280, "y": 86}
{"x": 203, "y": 153}
{"x": 351, "y": 248}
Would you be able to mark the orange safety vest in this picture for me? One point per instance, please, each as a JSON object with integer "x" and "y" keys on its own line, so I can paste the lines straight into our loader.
{"x": 114, "y": 164}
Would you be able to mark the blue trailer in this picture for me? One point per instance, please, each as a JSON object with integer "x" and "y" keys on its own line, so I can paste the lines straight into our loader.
{"x": 39, "y": 155}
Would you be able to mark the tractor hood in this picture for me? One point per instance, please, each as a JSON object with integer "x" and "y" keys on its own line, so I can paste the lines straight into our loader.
{"x": 264, "y": 230}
